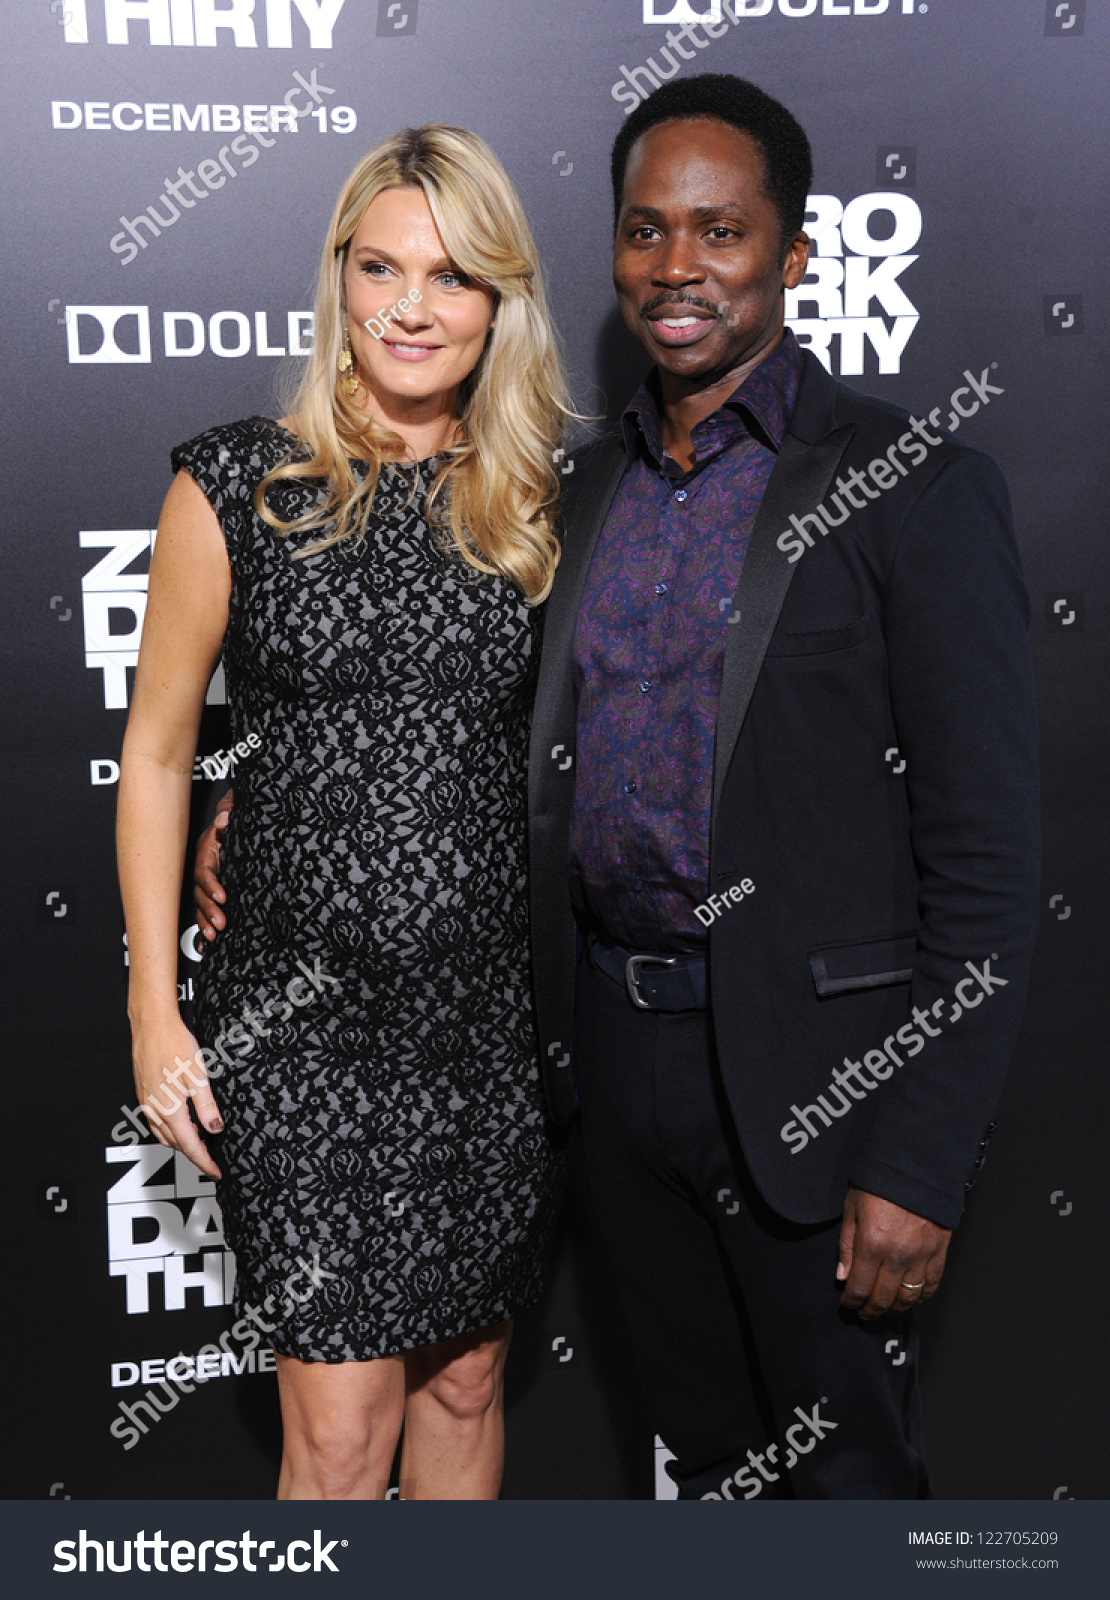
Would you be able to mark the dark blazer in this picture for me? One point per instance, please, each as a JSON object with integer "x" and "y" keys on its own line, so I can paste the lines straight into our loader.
{"x": 875, "y": 777}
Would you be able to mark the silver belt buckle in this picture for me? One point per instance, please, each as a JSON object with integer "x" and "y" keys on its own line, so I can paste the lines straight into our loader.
{"x": 632, "y": 976}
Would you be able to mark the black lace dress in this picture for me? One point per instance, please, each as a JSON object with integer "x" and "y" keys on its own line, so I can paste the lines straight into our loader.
{"x": 388, "y": 1177}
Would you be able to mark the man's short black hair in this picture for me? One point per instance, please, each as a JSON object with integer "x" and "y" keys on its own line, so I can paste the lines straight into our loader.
{"x": 787, "y": 161}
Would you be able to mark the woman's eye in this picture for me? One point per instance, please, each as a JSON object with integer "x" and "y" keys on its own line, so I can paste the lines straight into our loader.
{"x": 454, "y": 280}
{"x": 374, "y": 268}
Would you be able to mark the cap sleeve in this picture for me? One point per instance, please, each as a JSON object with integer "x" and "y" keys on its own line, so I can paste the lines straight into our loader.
{"x": 227, "y": 463}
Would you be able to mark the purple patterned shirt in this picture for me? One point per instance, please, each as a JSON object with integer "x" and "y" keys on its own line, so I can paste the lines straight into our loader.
{"x": 648, "y": 653}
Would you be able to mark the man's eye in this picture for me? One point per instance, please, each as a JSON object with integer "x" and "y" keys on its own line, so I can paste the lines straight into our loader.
{"x": 721, "y": 232}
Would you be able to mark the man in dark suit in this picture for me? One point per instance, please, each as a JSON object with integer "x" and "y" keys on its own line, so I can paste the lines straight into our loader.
{"x": 784, "y": 740}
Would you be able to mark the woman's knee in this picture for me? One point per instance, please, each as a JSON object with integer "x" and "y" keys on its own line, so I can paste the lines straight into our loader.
{"x": 337, "y": 1426}
{"x": 333, "y": 1436}
{"x": 470, "y": 1386}
{"x": 336, "y": 1452}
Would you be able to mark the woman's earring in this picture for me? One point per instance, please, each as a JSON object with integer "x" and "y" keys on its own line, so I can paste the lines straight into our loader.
{"x": 347, "y": 363}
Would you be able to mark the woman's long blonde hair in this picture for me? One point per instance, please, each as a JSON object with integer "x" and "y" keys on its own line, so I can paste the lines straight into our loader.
{"x": 496, "y": 493}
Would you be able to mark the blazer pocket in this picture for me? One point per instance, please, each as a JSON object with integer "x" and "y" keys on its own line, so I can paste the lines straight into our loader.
{"x": 876, "y": 964}
{"x": 819, "y": 642}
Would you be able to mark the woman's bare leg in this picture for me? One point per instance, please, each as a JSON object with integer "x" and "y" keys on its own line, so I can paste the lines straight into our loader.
{"x": 341, "y": 1424}
{"x": 454, "y": 1444}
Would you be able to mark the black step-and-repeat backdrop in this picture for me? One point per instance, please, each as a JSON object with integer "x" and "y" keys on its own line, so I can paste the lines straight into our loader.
{"x": 169, "y": 167}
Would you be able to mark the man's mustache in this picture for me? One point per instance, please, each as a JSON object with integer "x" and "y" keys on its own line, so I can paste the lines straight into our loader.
{"x": 661, "y": 300}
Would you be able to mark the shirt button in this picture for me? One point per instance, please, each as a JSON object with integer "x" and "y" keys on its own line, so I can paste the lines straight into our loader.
{"x": 660, "y": 588}
{"x": 680, "y": 495}
{"x": 644, "y": 686}
{"x": 630, "y": 788}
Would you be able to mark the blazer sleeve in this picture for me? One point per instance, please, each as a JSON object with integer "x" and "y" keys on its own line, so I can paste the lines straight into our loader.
{"x": 956, "y": 619}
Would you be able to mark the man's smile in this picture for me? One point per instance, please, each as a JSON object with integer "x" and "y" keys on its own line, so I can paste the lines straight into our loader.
{"x": 678, "y": 324}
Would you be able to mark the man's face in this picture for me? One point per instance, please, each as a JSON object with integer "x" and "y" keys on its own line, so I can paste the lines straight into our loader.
{"x": 696, "y": 261}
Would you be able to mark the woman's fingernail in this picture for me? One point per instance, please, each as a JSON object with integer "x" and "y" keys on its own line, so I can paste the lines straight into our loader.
{"x": 217, "y": 1126}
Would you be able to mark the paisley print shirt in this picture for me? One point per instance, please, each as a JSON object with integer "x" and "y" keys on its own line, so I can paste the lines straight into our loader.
{"x": 648, "y": 653}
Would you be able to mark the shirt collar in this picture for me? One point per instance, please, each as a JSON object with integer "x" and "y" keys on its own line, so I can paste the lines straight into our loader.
{"x": 765, "y": 398}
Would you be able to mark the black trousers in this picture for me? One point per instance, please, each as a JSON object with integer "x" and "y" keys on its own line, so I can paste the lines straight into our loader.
{"x": 755, "y": 1378}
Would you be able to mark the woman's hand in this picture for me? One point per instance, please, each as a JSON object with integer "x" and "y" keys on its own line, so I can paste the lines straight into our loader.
{"x": 208, "y": 891}
{"x": 169, "y": 1072}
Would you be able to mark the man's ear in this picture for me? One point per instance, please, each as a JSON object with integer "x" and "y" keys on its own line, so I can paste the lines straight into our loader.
{"x": 795, "y": 261}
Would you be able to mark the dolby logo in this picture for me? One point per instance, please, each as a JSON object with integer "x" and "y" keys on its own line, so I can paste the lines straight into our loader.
{"x": 121, "y": 335}
{"x": 680, "y": 11}
{"x": 118, "y": 335}
{"x": 712, "y": 12}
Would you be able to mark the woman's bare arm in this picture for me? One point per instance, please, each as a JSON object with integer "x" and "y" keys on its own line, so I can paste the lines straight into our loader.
{"x": 186, "y": 618}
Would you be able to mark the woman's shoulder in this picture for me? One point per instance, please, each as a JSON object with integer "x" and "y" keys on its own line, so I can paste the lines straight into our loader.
{"x": 234, "y": 456}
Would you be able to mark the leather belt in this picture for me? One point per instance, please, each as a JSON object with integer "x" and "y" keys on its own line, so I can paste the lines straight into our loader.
{"x": 653, "y": 982}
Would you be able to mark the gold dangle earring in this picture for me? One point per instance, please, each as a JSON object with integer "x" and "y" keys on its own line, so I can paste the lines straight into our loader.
{"x": 346, "y": 363}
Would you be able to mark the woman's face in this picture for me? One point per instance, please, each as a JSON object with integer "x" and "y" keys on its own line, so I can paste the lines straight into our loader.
{"x": 418, "y": 327}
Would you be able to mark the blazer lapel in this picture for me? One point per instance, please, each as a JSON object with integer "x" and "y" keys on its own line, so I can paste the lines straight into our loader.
{"x": 553, "y": 711}
{"x": 585, "y": 517}
{"x": 798, "y": 483}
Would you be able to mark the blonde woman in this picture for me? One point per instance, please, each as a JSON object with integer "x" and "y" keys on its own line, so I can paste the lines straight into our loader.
{"x": 368, "y": 569}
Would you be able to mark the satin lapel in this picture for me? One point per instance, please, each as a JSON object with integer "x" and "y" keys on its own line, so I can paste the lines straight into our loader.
{"x": 798, "y": 483}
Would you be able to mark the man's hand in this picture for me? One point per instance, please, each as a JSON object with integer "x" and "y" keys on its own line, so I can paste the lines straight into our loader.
{"x": 208, "y": 892}
{"x": 882, "y": 1249}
